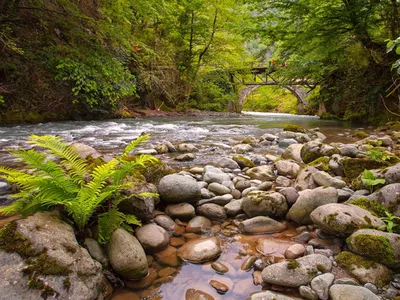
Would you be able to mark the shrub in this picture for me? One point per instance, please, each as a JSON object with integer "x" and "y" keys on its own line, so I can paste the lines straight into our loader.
{"x": 78, "y": 186}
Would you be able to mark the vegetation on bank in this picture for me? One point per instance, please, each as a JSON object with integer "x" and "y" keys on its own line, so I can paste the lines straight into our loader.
{"x": 85, "y": 190}
{"x": 89, "y": 59}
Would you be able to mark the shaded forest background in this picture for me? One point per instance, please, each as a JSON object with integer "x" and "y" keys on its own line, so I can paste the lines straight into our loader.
{"x": 93, "y": 59}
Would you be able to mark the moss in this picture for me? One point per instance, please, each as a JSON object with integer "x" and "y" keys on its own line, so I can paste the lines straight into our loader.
{"x": 344, "y": 228}
{"x": 294, "y": 128}
{"x": 321, "y": 163}
{"x": 44, "y": 265}
{"x": 328, "y": 116}
{"x": 352, "y": 261}
{"x": 310, "y": 156}
{"x": 373, "y": 207}
{"x": 67, "y": 283}
{"x": 377, "y": 248}
{"x": 292, "y": 264}
{"x": 353, "y": 167}
{"x": 12, "y": 241}
{"x": 321, "y": 268}
{"x": 360, "y": 134}
{"x": 312, "y": 273}
{"x": 243, "y": 162}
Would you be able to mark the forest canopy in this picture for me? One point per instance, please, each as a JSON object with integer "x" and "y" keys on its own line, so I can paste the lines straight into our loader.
{"x": 95, "y": 59}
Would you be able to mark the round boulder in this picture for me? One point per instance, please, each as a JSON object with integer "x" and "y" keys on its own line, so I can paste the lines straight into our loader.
{"x": 153, "y": 238}
{"x": 126, "y": 255}
{"x": 260, "y": 225}
{"x": 260, "y": 203}
{"x": 200, "y": 250}
{"x": 183, "y": 211}
{"x": 212, "y": 211}
{"x": 176, "y": 188}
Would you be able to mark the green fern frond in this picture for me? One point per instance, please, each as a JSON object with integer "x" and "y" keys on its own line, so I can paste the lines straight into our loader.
{"x": 132, "y": 145}
{"x": 108, "y": 222}
{"x": 69, "y": 158}
{"x": 131, "y": 219}
{"x": 16, "y": 207}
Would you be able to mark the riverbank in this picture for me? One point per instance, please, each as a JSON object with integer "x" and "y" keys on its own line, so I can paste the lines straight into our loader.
{"x": 302, "y": 222}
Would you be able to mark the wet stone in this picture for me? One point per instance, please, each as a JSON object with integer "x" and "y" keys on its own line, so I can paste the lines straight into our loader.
{"x": 176, "y": 242}
{"x": 166, "y": 272}
{"x": 192, "y": 294}
{"x": 219, "y": 287}
{"x": 247, "y": 265}
{"x": 219, "y": 267}
{"x": 168, "y": 257}
{"x": 200, "y": 250}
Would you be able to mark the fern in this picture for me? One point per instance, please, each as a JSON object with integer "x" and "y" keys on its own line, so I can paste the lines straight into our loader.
{"x": 73, "y": 185}
{"x": 132, "y": 145}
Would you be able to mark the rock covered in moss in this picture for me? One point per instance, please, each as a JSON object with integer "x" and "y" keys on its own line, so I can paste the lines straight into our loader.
{"x": 39, "y": 257}
{"x": 311, "y": 151}
{"x": 243, "y": 162}
{"x": 126, "y": 255}
{"x": 176, "y": 188}
{"x": 310, "y": 200}
{"x": 382, "y": 247}
{"x": 261, "y": 203}
{"x": 351, "y": 292}
{"x": 305, "y": 180}
{"x": 294, "y": 128}
{"x": 263, "y": 173}
{"x": 364, "y": 270}
{"x": 141, "y": 207}
{"x": 287, "y": 168}
{"x": 353, "y": 167}
{"x": 343, "y": 219}
{"x": 294, "y": 273}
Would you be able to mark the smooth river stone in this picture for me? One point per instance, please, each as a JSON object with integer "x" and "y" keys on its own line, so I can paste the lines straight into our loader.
{"x": 198, "y": 223}
{"x": 272, "y": 247}
{"x": 200, "y": 250}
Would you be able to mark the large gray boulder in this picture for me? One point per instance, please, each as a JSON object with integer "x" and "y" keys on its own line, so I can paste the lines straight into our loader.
{"x": 343, "y": 219}
{"x": 392, "y": 174}
{"x": 263, "y": 173}
{"x": 176, "y": 188}
{"x": 234, "y": 208}
{"x": 287, "y": 168}
{"x": 200, "y": 250}
{"x": 382, "y": 247}
{"x": 351, "y": 292}
{"x": 293, "y": 152}
{"x": 260, "y": 225}
{"x": 152, "y": 237}
{"x": 261, "y": 203}
{"x": 294, "y": 273}
{"x": 126, "y": 255}
{"x": 305, "y": 180}
{"x": 388, "y": 196}
{"x": 324, "y": 179}
{"x": 50, "y": 244}
{"x": 310, "y": 200}
{"x": 211, "y": 211}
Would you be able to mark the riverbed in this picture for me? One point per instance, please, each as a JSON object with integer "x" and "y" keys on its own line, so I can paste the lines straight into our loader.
{"x": 215, "y": 134}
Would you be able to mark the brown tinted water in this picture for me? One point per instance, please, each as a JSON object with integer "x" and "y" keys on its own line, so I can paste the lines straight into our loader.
{"x": 169, "y": 283}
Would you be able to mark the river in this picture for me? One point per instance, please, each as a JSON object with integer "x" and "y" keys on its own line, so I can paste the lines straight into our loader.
{"x": 213, "y": 133}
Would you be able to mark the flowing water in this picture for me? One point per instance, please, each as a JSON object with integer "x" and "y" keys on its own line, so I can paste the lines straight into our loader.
{"x": 214, "y": 136}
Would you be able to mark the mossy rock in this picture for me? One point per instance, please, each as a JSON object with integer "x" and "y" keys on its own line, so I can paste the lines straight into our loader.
{"x": 360, "y": 134}
{"x": 353, "y": 167}
{"x": 321, "y": 163}
{"x": 364, "y": 270}
{"x": 376, "y": 245}
{"x": 373, "y": 207}
{"x": 328, "y": 116}
{"x": 294, "y": 128}
{"x": 243, "y": 162}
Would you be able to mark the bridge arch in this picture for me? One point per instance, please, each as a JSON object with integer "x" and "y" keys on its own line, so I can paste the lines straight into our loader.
{"x": 297, "y": 91}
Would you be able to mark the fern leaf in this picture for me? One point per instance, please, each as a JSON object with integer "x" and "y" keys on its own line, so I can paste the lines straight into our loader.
{"x": 131, "y": 219}
{"x": 109, "y": 222}
{"x": 69, "y": 158}
{"x": 132, "y": 145}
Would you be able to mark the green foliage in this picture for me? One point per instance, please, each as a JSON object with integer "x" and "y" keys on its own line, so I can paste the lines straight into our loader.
{"x": 73, "y": 183}
{"x": 271, "y": 98}
{"x": 392, "y": 222}
{"x": 369, "y": 180}
{"x": 96, "y": 80}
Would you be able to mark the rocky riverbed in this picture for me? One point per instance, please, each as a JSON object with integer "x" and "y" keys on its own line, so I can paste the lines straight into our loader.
{"x": 301, "y": 221}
